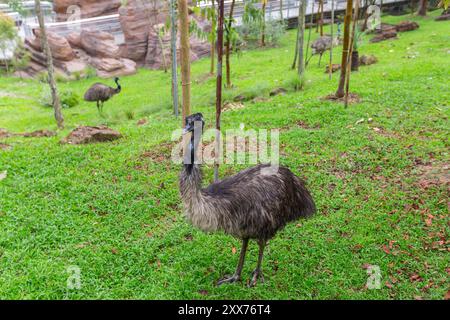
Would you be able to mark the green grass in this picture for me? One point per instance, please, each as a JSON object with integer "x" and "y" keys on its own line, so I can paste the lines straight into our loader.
{"x": 116, "y": 214}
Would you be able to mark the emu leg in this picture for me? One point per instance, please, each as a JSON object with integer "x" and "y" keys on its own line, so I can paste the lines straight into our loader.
{"x": 320, "y": 58}
{"x": 257, "y": 273}
{"x": 237, "y": 275}
{"x": 98, "y": 106}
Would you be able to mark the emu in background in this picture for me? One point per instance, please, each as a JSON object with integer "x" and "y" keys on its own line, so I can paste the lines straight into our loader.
{"x": 100, "y": 93}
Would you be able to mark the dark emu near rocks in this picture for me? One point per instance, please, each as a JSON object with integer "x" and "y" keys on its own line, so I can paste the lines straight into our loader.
{"x": 253, "y": 204}
{"x": 100, "y": 93}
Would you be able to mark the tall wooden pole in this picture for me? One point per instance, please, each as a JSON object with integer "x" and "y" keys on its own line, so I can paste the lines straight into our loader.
{"x": 228, "y": 44}
{"x": 345, "y": 50}
{"x": 51, "y": 72}
{"x": 213, "y": 38}
{"x": 185, "y": 57}
{"x": 219, "y": 86}
{"x": 301, "y": 37}
{"x": 332, "y": 39}
{"x": 309, "y": 31}
{"x": 349, "y": 58}
{"x": 173, "y": 43}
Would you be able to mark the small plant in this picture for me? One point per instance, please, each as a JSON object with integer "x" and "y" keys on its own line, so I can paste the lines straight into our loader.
{"x": 69, "y": 99}
{"x": 294, "y": 82}
{"x": 130, "y": 114}
{"x": 90, "y": 72}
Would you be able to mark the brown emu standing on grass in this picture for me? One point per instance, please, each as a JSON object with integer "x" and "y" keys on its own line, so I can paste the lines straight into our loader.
{"x": 100, "y": 93}
{"x": 321, "y": 45}
{"x": 253, "y": 204}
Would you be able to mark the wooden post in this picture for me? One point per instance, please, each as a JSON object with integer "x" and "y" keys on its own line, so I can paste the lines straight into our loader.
{"x": 185, "y": 58}
{"x": 345, "y": 50}
{"x": 173, "y": 43}
{"x": 219, "y": 87}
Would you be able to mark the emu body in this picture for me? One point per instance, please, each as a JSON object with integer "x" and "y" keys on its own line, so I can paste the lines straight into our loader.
{"x": 100, "y": 93}
{"x": 253, "y": 204}
{"x": 322, "y": 44}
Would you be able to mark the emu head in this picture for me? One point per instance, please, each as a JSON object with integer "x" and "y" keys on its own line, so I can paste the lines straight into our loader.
{"x": 194, "y": 127}
{"x": 193, "y": 123}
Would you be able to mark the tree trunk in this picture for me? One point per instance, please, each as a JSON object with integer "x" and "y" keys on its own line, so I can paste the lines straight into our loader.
{"x": 321, "y": 17}
{"x": 173, "y": 48}
{"x": 281, "y": 11}
{"x": 228, "y": 44}
{"x": 332, "y": 37}
{"x": 345, "y": 50}
{"x": 185, "y": 57}
{"x": 219, "y": 86}
{"x": 355, "y": 61}
{"x": 51, "y": 76}
{"x": 263, "y": 23}
{"x": 309, "y": 32}
{"x": 301, "y": 37}
{"x": 423, "y": 4}
{"x": 349, "y": 62}
{"x": 213, "y": 38}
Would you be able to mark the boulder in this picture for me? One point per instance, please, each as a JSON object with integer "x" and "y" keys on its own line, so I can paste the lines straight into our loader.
{"x": 99, "y": 44}
{"x": 367, "y": 60}
{"x": 74, "y": 39}
{"x": 84, "y": 135}
{"x": 443, "y": 17}
{"x": 88, "y": 8}
{"x": 406, "y": 26}
{"x": 134, "y": 19}
{"x": 128, "y": 68}
{"x": 59, "y": 46}
{"x": 384, "y": 36}
{"x": 278, "y": 91}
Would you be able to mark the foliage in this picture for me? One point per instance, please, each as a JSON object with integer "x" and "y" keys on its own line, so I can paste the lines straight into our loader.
{"x": 250, "y": 32}
{"x": 69, "y": 99}
{"x": 8, "y": 35}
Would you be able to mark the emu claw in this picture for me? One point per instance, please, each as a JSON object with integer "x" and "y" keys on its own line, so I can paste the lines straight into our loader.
{"x": 228, "y": 279}
{"x": 256, "y": 275}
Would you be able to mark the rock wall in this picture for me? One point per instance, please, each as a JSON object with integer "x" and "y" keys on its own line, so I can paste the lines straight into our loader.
{"x": 89, "y": 8}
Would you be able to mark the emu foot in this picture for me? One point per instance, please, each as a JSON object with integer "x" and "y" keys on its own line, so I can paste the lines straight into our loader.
{"x": 229, "y": 279}
{"x": 256, "y": 275}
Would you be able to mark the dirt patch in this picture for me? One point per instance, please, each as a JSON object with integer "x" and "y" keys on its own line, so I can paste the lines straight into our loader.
{"x": 433, "y": 174}
{"x": 142, "y": 122}
{"x": 39, "y": 134}
{"x": 386, "y": 133}
{"x": 4, "y": 133}
{"x": 229, "y": 106}
{"x": 4, "y": 146}
{"x": 162, "y": 152}
{"x": 352, "y": 98}
{"x": 84, "y": 135}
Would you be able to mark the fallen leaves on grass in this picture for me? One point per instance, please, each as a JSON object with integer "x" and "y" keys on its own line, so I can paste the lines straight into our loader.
{"x": 3, "y": 175}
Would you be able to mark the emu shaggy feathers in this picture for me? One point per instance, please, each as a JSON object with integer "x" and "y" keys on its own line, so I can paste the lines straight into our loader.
{"x": 99, "y": 92}
{"x": 249, "y": 204}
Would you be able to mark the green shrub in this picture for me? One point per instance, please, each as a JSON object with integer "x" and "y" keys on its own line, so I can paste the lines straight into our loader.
{"x": 69, "y": 99}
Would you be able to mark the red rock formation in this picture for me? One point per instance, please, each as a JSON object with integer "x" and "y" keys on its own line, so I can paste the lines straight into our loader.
{"x": 59, "y": 46}
{"x": 89, "y": 8}
{"x": 99, "y": 44}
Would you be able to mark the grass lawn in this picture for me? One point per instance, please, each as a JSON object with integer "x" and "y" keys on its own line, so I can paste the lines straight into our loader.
{"x": 113, "y": 210}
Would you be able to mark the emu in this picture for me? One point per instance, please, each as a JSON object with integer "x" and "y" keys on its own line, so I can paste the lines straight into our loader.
{"x": 251, "y": 205}
{"x": 100, "y": 93}
{"x": 321, "y": 45}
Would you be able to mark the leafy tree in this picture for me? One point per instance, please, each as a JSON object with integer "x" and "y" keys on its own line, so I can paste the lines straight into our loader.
{"x": 8, "y": 37}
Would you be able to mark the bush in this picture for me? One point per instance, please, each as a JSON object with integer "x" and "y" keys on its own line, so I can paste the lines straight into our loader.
{"x": 69, "y": 99}
{"x": 250, "y": 32}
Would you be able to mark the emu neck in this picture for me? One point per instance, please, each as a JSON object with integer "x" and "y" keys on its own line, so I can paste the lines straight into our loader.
{"x": 191, "y": 171}
{"x": 119, "y": 88}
